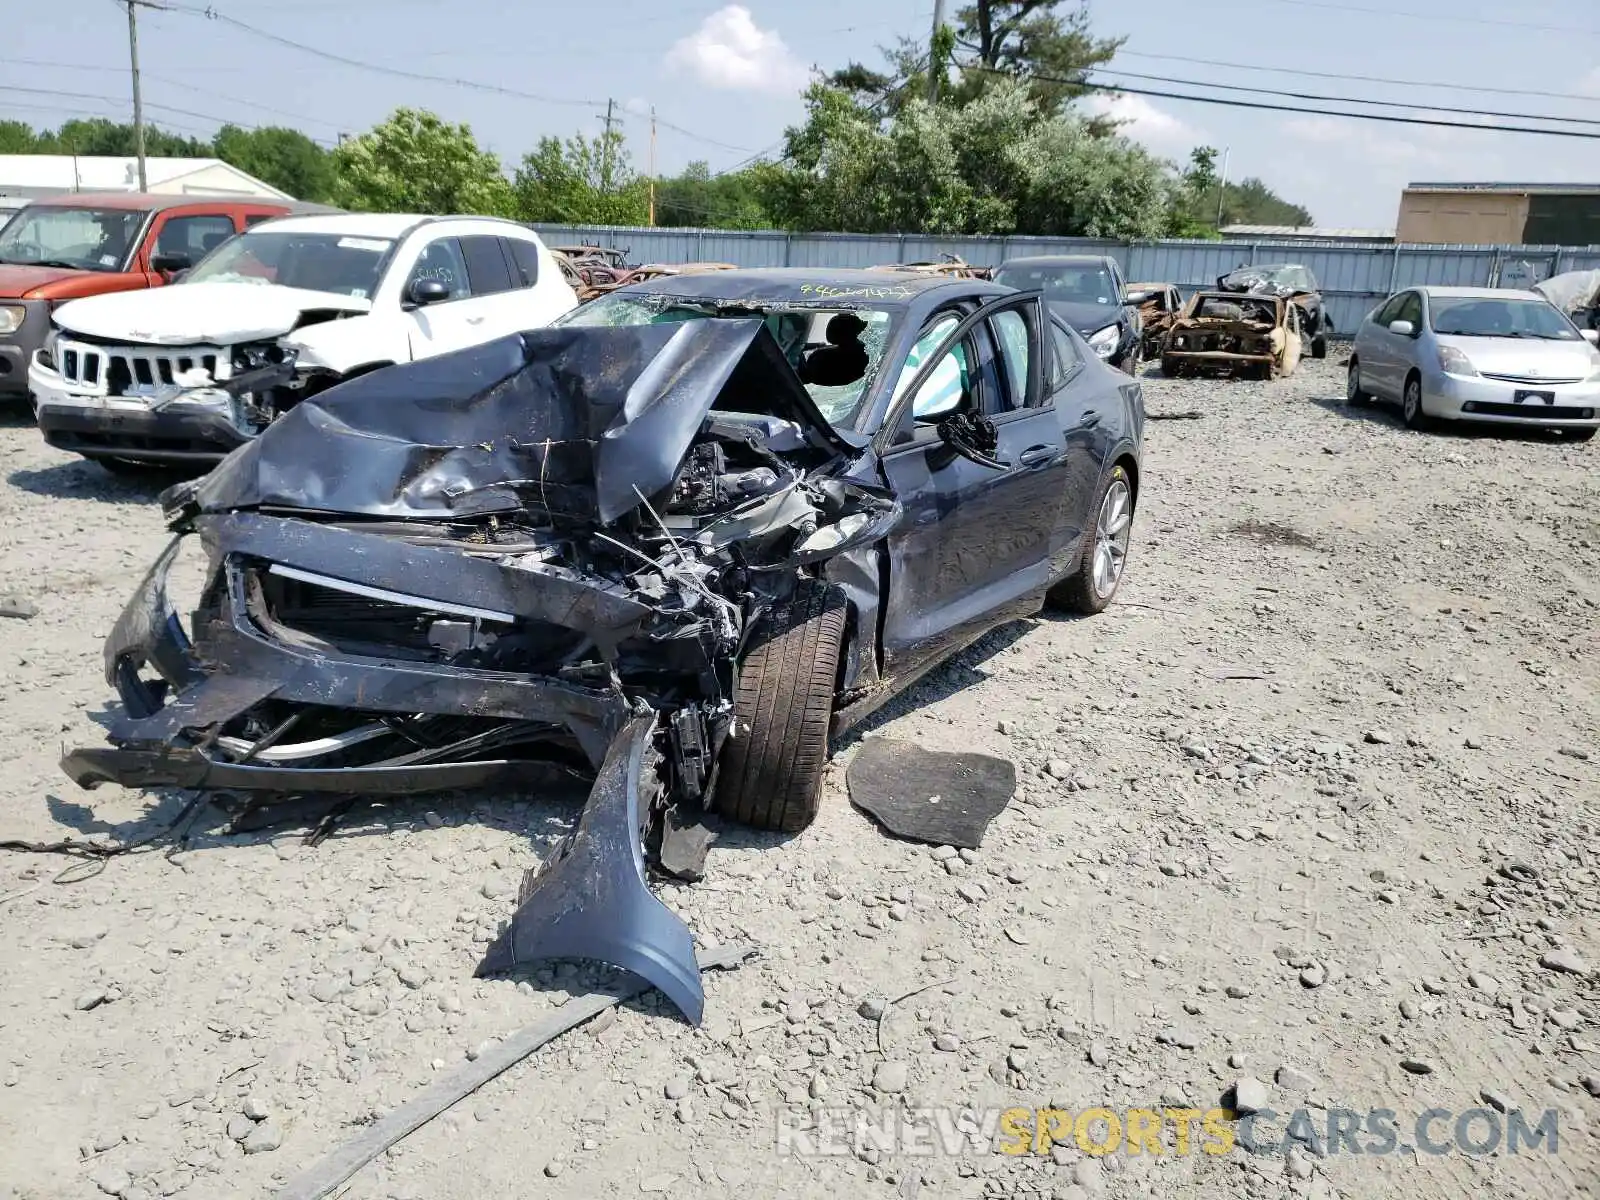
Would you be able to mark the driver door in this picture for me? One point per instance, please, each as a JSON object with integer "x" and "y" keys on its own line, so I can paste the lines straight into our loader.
{"x": 973, "y": 546}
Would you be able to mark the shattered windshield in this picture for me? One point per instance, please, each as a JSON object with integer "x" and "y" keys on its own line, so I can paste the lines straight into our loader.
{"x": 320, "y": 262}
{"x": 835, "y": 352}
{"x": 1078, "y": 283}
{"x": 1480, "y": 316}
{"x": 85, "y": 239}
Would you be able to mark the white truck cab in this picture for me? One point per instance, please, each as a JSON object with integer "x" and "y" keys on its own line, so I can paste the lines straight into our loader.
{"x": 291, "y": 306}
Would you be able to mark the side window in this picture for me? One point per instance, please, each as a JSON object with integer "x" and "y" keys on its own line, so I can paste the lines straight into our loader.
{"x": 1389, "y": 310}
{"x": 193, "y": 236}
{"x": 525, "y": 257}
{"x": 487, "y": 271}
{"x": 948, "y": 387}
{"x": 925, "y": 345}
{"x": 1411, "y": 310}
{"x": 1011, "y": 332}
{"x": 441, "y": 259}
{"x": 1066, "y": 353}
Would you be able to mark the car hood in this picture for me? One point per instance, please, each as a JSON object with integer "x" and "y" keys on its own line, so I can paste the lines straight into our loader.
{"x": 573, "y": 421}
{"x": 17, "y": 280}
{"x": 1526, "y": 358}
{"x": 1084, "y": 317}
{"x": 220, "y": 313}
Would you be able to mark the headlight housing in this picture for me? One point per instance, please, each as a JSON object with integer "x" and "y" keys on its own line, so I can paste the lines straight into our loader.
{"x": 1104, "y": 341}
{"x": 11, "y": 317}
{"x": 1453, "y": 362}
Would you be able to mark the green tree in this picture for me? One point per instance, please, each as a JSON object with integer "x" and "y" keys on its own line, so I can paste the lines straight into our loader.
{"x": 17, "y": 137}
{"x": 1026, "y": 39}
{"x": 1251, "y": 202}
{"x": 100, "y": 136}
{"x": 731, "y": 200}
{"x": 582, "y": 181}
{"x": 285, "y": 158}
{"x": 1194, "y": 197}
{"x": 417, "y": 162}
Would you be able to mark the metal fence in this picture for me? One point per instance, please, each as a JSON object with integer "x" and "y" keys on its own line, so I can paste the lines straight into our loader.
{"x": 1354, "y": 277}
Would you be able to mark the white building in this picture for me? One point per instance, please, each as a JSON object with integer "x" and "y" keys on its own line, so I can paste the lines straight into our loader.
{"x": 25, "y": 177}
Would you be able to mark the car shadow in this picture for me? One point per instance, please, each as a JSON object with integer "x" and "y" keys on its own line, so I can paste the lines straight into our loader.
{"x": 1383, "y": 413}
{"x": 956, "y": 674}
{"x": 84, "y": 480}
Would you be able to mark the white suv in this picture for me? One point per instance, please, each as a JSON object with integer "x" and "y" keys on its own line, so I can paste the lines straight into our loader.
{"x": 183, "y": 374}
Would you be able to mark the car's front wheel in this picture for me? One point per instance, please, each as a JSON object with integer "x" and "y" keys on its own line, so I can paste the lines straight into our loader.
{"x": 1582, "y": 433}
{"x": 770, "y": 775}
{"x": 1094, "y": 581}
{"x": 1411, "y": 410}
{"x": 1354, "y": 394}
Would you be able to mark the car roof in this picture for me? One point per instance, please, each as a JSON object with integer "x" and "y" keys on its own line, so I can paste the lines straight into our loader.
{"x": 815, "y": 285}
{"x": 1465, "y": 292}
{"x": 1056, "y": 260}
{"x": 146, "y": 202}
{"x": 384, "y": 225}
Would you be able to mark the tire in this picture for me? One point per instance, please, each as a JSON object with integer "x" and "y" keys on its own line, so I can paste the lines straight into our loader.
{"x": 1170, "y": 368}
{"x": 1582, "y": 433}
{"x": 1354, "y": 394}
{"x": 1411, "y": 411}
{"x": 1078, "y": 592}
{"x": 1134, "y": 362}
{"x": 770, "y": 775}
{"x": 1319, "y": 346}
{"x": 129, "y": 468}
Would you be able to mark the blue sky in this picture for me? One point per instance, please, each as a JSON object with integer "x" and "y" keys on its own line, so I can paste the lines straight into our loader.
{"x": 728, "y": 76}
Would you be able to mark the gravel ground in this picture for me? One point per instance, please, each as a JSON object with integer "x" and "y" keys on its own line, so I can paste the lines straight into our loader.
{"x": 1306, "y": 821}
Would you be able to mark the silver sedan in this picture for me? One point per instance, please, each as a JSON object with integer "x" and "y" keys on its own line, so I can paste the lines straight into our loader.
{"x": 1478, "y": 354}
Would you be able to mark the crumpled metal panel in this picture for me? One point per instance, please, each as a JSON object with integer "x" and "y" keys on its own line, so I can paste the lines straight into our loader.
{"x": 592, "y": 900}
{"x": 575, "y": 421}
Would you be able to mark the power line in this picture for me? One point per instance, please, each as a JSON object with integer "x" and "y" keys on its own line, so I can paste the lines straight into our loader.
{"x": 1437, "y": 17}
{"x": 397, "y": 72}
{"x": 424, "y": 77}
{"x": 1400, "y": 104}
{"x": 1300, "y": 110}
{"x": 117, "y": 100}
{"x": 170, "y": 82}
{"x": 1413, "y": 83}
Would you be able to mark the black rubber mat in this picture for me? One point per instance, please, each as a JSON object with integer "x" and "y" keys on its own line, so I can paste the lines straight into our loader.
{"x": 930, "y": 795}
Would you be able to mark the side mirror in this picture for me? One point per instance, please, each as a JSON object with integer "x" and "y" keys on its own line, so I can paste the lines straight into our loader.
{"x": 1592, "y": 336}
{"x": 427, "y": 291}
{"x": 1402, "y": 328}
{"x": 170, "y": 261}
{"x": 973, "y": 437}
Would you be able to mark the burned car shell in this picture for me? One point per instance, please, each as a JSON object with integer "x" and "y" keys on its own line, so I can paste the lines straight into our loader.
{"x": 1157, "y": 310}
{"x": 1230, "y": 332}
{"x": 525, "y": 547}
{"x": 1295, "y": 283}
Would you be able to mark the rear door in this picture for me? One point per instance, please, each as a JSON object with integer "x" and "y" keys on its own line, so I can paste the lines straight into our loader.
{"x": 1078, "y": 399}
{"x": 973, "y": 543}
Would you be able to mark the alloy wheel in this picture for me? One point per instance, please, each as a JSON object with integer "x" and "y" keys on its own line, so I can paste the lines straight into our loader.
{"x": 1112, "y": 530}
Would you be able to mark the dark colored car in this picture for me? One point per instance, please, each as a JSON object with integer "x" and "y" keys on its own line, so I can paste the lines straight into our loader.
{"x": 1088, "y": 293}
{"x": 87, "y": 244}
{"x": 671, "y": 541}
{"x": 1295, "y": 283}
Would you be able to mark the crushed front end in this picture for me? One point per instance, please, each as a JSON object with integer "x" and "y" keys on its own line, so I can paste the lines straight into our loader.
{"x": 541, "y": 565}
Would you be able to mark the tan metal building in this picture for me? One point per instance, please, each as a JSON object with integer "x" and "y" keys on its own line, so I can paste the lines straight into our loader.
{"x": 1500, "y": 214}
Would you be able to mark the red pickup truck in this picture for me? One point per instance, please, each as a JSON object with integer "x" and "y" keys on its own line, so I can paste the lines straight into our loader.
{"x": 84, "y": 244}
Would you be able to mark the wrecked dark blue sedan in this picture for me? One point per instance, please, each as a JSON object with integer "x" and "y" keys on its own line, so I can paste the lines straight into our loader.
{"x": 667, "y": 545}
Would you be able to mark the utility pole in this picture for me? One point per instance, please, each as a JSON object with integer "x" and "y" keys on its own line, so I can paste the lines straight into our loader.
{"x": 652, "y": 166}
{"x": 138, "y": 105}
{"x": 934, "y": 67}
{"x": 605, "y": 148}
{"x": 1222, "y": 186}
